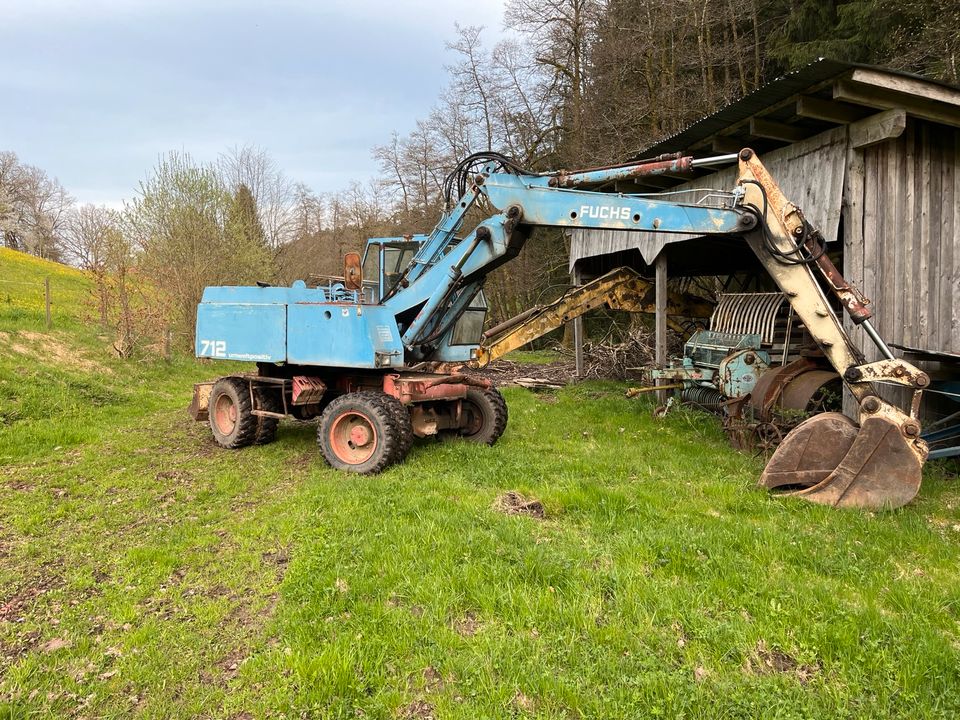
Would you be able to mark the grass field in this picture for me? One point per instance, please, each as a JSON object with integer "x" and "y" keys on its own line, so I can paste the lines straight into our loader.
{"x": 146, "y": 573}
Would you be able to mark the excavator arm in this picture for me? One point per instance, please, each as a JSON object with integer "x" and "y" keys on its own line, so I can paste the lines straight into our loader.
{"x": 828, "y": 459}
{"x": 620, "y": 289}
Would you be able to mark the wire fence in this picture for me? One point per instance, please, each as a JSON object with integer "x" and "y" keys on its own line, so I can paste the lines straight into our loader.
{"x": 158, "y": 338}
{"x": 46, "y": 296}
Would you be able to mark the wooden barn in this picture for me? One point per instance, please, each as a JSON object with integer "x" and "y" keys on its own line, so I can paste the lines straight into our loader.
{"x": 872, "y": 156}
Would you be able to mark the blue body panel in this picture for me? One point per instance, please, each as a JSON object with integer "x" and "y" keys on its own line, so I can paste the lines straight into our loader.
{"x": 295, "y": 325}
{"x": 242, "y": 331}
{"x": 340, "y": 335}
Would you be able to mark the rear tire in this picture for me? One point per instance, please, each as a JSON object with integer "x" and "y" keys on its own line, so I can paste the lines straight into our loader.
{"x": 358, "y": 432}
{"x": 267, "y": 426}
{"x": 401, "y": 417}
{"x": 231, "y": 422}
{"x": 484, "y": 415}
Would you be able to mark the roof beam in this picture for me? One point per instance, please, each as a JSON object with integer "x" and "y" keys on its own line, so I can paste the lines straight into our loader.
{"x": 878, "y": 128}
{"x": 726, "y": 145}
{"x": 776, "y": 131}
{"x": 884, "y": 99}
{"x": 910, "y": 86}
{"x": 827, "y": 110}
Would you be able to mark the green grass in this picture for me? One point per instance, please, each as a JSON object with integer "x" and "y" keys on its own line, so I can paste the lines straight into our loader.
{"x": 146, "y": 573}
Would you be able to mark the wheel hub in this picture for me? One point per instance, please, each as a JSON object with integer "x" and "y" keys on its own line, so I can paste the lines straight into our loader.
{"x": 353, "y": 437}
{"x": 225, "y": 414}
{"x": 360, "y": 435}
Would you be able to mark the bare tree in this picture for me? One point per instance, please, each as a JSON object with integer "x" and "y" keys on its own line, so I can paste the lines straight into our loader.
{"x": 86, "y": 233}
{"x": 561, "y": 34}
{"x": 33, "y": 208}
{"x": 272, "y": 191}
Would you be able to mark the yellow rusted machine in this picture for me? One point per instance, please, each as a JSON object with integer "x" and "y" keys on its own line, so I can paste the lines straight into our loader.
{"x": 620, "y": 289}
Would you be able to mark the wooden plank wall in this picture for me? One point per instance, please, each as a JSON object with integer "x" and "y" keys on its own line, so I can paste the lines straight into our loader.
{"x": 902, "y": 244}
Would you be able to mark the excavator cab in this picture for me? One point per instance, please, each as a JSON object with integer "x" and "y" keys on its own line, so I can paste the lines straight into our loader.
{"x": 385, "y": 259}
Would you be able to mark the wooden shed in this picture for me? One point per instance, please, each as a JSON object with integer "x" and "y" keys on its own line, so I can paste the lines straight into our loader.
{"x": 872, "y": 156}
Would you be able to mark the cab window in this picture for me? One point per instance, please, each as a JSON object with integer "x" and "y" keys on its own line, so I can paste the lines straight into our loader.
{"x": 469, "y": 327}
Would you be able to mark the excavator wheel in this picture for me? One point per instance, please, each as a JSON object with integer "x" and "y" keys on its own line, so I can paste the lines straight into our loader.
{"x": 267, "y": 426}
{"x": 828, "y": 460}
{"x": 484, "y": 415}
{"x": 229, "y": 414}
{"x": 359, "y": 433}
{"x": 401, "y": 417}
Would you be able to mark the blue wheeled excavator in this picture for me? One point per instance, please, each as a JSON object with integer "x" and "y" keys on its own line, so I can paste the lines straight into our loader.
{"x": 365, "y": 354}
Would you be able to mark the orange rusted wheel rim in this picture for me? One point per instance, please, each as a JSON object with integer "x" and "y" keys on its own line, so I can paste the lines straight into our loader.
{"x": 353, "y": 437}
{"x": 225, "y": 414}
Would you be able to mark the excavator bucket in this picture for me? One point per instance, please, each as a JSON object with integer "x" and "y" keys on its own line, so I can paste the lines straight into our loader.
{"x": 827, "y": 459}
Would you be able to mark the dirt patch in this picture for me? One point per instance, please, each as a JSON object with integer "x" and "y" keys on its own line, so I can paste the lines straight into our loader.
{"x": 230, "y": 663}
{"x": 181, "y": 476}
{"x": 468, "y": 625}
{"x": 513, "y": 503}
{"x": 766, "y": 661}
{"x": 52, "y": 348}
{"x": 504, "y": 372}
{"x": 417, "y": 710}
{"x": 16, "y": 606}
{"x": 523, "y": 703}
{"x": 430, "y": 681}
{"x": 276, "y": 557}
{"x": 24, "y": 598}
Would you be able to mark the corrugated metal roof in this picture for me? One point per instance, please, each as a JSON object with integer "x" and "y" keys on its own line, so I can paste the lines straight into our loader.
{"x": 763, "y": 98}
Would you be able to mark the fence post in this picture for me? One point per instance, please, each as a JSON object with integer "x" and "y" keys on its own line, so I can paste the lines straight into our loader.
{"x": 166, "y": 344}
{"x": 46, "y": 298}
{"x": 660, "y": 318}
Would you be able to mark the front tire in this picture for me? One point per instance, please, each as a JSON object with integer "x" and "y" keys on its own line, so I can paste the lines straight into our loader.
{"x": 359, "y": 433}
{"x": 231, "y": 422}
{"x": 484, "y": 415}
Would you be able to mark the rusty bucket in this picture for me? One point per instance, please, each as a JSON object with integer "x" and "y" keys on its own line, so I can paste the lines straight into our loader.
{"x": 828, "y": 459}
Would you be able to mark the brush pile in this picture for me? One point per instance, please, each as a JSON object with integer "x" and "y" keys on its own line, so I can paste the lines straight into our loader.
{"x": 605, "y": 360}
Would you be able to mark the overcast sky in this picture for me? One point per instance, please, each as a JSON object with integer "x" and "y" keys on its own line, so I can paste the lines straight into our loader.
{"x": 93, "y": 91}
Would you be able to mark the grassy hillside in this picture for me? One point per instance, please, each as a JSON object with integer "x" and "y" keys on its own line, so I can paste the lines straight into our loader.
{"x": 146, "y": 573}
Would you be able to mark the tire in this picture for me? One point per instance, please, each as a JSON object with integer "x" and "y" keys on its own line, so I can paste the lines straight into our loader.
{"x": 401, "y": 417}
{"x": 267, "y": 426}
{"x": 358, "y": 433}
{"x": 229, "y": 409}
{"x": 484, "y": 415}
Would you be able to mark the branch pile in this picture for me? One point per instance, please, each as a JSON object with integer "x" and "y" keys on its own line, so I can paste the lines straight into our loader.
{"x": 606, "y": 360}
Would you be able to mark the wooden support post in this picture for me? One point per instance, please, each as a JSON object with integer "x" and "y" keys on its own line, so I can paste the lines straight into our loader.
{"x": 660, "y": 324}
{"x": 167, "y": 343}
{"x": 577, "y": 279}
{"x": 46, "y": 299}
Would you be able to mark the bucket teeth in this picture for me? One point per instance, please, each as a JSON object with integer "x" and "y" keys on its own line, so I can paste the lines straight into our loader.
{"x": 828, "y": 460}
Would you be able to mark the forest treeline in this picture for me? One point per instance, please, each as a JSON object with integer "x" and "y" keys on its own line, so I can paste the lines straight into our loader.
{"x": 574, "y": 83}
